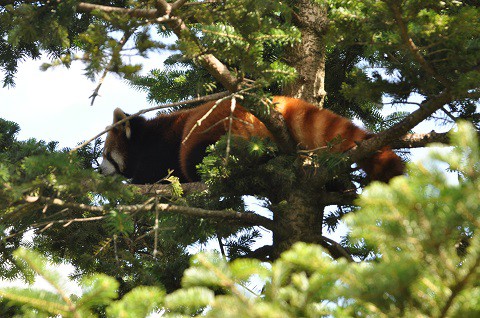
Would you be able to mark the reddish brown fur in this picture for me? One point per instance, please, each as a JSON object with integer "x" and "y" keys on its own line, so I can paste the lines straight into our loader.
{"x": 311, "y": 127}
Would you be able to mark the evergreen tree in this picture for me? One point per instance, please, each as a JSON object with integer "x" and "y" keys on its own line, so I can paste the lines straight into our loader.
{"x": 425, "y": 261}
{"x": 345, "y": 55}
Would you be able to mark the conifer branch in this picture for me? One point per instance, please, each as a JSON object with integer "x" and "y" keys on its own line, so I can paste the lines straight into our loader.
{"x": 336, "y": 249}
{"x": 371, "y": 145}
{"x": 177, "y": 4}
{"x": 411, "y": 46}
{"x": 216, "y": 68}
{"x": 134, "y": 13}
{"x": 240, "y": 217}
{"x": 164, "y": 190}
{"x": 458, "y": 287}
{"x": 420, "y": 140}
{"x": 55, "y": 284}
{"x": 263, "y": 253}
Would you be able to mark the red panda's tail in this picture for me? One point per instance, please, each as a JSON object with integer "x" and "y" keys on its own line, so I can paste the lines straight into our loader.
{"x": 383, "y": 165}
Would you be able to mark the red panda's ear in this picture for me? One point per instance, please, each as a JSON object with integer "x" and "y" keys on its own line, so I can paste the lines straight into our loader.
{"x": 118, "y": 115}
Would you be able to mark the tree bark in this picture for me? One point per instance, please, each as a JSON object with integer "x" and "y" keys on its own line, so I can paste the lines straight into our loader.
{"x": 308, "y": 57}
{"x": 297, "y": 219}
{"x": 300, "y": 218}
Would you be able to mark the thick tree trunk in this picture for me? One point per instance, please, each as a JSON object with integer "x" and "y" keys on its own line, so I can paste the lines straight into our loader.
{"x": 308, "y": 57}
{"x": 297, "y": 219}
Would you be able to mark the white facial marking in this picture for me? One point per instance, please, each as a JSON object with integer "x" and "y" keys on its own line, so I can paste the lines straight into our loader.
{"x": 119, "y": 160}
{"x": 111, "y": 163}
{"x": 107, "y": 168}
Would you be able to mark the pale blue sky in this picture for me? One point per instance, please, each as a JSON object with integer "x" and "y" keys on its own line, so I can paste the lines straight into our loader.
{"x": 55, "y": 104}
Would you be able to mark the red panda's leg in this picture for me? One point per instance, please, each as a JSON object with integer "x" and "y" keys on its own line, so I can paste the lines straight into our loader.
{"x": 191, "y": 154}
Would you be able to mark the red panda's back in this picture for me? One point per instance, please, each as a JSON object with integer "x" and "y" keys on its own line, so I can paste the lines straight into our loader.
{"x": 313, "y": 128}
{"x": 207, "y": 123}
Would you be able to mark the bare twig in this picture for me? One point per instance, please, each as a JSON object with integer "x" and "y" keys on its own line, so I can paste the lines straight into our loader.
{"x": 115, "y": 249}
{"x": 200, "y": 121}
{"x": 49, "y": 223}
{"x": 222, "y": 247}
{"x": 107, "y": 69}
{"x": 214, "y": 106}
{"x": 152, "y": 231}
{"x": 155, "y": 238}
{"x": 233, "y": 105}
{"x": 221, "y": 121}
{"x": 449, "y": 114}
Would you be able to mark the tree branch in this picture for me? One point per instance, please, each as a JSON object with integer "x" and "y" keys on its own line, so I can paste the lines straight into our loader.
{"x": 408, "y": 41}
{"x": 177, "y": 4}
{"x": 165, "y": 189}
{"x": 335, "y": 249}
{"x": 243, "y": 218}
{"x": 121, "y": 43}
{"x": 456, "y": 289}
{"x": 263, "y": 253}
{"x": 134, "y": 13}
{"x": 338, "y": 198}
{"x": 380, "y": 140}
{"x": 216, "y": 68}
{"x": 420, "y": 140}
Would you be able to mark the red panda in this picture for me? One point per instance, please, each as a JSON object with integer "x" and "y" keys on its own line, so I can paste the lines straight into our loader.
{"x": 144, "y": 150}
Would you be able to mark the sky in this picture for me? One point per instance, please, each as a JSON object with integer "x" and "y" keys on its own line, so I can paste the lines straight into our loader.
{"x": 54, "y": 105}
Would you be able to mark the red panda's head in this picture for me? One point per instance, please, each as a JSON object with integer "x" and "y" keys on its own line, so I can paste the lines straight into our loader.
{"x": 115, "y": 151}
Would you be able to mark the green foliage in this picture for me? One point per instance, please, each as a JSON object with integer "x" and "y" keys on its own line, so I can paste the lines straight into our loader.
{"x": 249, "y": 167}
{"x": 236, "y": 29}
{"x": 246, "y": 36}
{"x": 76, "y": 228}
{"x": 96, "y": 290}
{"x": 443, "y": 47}
{"x": 421, "y": 229}
{"x": 26, "y": 30}
{"x": 139, "y": 302}
{"x": 239, "y": 33}
{"x": 415, "y": 225}
{"x": 179, "y": 79}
